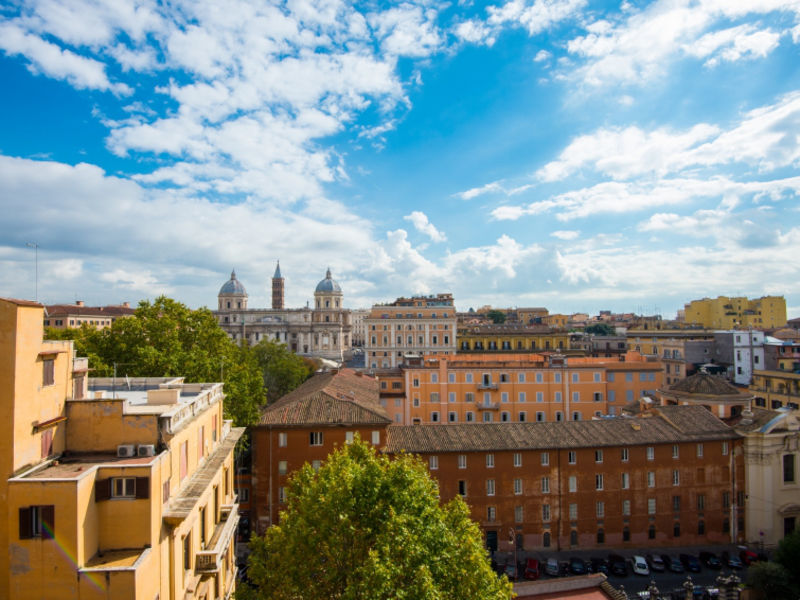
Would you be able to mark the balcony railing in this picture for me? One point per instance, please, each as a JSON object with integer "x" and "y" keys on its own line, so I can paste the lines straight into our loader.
{"x": 489, "y": 406}
{"x": 487, "y": 386}
{"x": 208, "y": 560}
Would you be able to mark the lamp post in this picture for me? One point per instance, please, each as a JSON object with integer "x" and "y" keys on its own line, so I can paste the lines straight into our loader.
{"x": 35, "y": 247}
{"x": 511, "y": 538}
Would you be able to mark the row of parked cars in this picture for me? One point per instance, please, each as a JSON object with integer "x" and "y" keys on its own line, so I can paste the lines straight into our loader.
{"x": 532, "y": 568}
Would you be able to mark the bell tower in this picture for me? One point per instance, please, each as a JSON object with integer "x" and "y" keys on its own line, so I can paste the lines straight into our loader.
{"x": 277, "y": 288}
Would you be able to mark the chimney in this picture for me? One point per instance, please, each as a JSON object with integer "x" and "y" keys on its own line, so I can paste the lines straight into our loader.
{"x": 126, "y": 305}
{"x": 78, "y": 302}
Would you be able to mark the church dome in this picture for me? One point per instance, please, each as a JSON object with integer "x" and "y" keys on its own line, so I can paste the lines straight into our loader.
{"x": 328, "y": 285}
{"x": 233, "y": 287}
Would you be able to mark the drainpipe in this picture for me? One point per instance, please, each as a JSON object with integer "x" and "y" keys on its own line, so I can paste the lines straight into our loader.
{"x": 560, "y": 503}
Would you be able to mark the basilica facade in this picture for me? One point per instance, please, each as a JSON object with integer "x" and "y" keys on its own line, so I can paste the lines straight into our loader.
{"x": 321, "y": 331}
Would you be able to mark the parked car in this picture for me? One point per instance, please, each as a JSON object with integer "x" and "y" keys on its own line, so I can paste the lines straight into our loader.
{"x": 511, "y": 570}
{"x": 600, "y": 565}
{"x": 577, "y": 566}
{"x": 531, "y": 571}
{"x": 690, "y": 562}
{"x": 732, "y": 561}
{"x": 748, "y": 557}
{"x": 563, "y": 568}
{"x": 672, "y": 563}
{"x": 639, "y": 565}
{"x": 655, "y": 563}
{"x": 617, "y": 565}
{"x": 710, "y": 560}
{"x": 551, "y": 567}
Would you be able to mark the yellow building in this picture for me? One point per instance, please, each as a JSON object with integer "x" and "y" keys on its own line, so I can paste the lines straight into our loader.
{"x": 113, "y": 488}
{"x": 511, "y": 338}
{"x": 776, "y": 389}
{"x": 737, "y": 312}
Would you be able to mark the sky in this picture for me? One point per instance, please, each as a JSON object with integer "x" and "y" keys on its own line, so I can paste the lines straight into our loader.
{"x": 578, "y": 155}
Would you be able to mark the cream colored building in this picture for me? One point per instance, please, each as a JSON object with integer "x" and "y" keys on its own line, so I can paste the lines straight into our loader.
{"x": 772, "y": 463}
{"x": 324, "y": 330}
{"x": 112, "y": 488}
{"x": 409, "y": 327}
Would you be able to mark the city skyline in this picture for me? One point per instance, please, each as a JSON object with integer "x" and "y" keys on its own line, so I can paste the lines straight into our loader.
{"x": 570, "y": 154}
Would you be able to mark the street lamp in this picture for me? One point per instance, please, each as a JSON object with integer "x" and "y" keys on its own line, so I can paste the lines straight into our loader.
{"x": 512, "y": 540}
{"x": 35, "y": 247}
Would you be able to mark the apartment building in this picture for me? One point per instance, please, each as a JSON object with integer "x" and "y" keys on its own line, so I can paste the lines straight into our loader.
{"x": 524, "y": 387}
{"x": 741, "y": 352}
{"x": 671, "y": 476}
{"x": 782, "y": 351}
{"x": 739, "y": 312}
{"x": 65, "y": 316}
{"x": 113, "y": 488}
{"x": 511, "y": 337}
{"x": 409, "y": 327}
{"x": 775, "y": 389}
{"x": 681, "y": 352}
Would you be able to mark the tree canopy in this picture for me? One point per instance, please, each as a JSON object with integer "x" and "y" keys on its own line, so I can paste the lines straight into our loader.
{"x": 281, "y": 368}
{"x": 600, "y": 329}
{"x": 497, "y": 316}
{"x": 368, "y": 526}
{"x": 165, "y": 338}
{"x": 778, "y": 579}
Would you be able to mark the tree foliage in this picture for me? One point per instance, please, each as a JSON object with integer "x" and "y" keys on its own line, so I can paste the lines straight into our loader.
{"x": 367, "y": 526}
{"x": 788, "y": 555}
{"x": 600, "y": 329}
{"x": 281, "y": 368}
{"x": 165, "y": 338}
{"x": 771, "y": 581}
{"x": 497, "y": 316}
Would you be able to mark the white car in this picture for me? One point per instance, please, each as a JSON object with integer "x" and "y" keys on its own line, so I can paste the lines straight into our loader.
{"x": 639, "y": 565}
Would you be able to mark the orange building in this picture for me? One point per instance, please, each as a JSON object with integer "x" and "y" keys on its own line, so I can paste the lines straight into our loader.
{"x": 670, "y": 476}
{"x": 65, "y": 316}
{"x": 524, "y": 387}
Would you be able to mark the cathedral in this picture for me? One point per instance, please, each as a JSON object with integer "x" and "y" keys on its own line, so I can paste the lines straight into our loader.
{"x": 323, "y": 331}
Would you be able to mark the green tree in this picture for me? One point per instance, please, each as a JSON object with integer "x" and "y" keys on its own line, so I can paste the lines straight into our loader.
{"x": 367, "y": 526}
{"x": 281, "y": 368}
{"x": 497, "y": 316}
{"x": 165, "y": 338}
{"x": 771, "y": 580}
{"x": 600, "y": 329}
{"x": 788, "y": 555}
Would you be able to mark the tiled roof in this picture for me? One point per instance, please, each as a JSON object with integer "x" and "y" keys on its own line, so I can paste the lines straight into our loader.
{"x": 705, "y": 383}
{"x": 89, "y": 311}
{"x": 342, "y": 397}
{"x": 668, "y": 424}
{"x": 21, "y": 302}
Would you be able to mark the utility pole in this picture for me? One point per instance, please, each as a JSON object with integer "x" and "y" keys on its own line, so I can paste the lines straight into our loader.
{"x": 35, "y": 247}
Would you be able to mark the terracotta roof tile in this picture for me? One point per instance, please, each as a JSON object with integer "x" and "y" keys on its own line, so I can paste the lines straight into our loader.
{"x": 668, "y": 424}
{"x": 341, "y": 397}
{"x": 705, "y": 383}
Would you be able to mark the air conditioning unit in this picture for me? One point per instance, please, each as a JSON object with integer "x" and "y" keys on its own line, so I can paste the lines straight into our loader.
{"x": 126, "y": 450}
{"x": 147, "y": 450}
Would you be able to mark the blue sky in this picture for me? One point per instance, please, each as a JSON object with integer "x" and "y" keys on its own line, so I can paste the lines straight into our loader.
{"x": 573, "y": 154}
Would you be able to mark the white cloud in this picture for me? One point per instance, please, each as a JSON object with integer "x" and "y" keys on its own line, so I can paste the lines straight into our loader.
{"x": 421, "y": 224}
{"x": 542, "y": 56}
{"x": 565, "y": 235}
{"x": 536, "y": 16}
{"x": 479, "y": 191}
{"x": 407, "y": 30}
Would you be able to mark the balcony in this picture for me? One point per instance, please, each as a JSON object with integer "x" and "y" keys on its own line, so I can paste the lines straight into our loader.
{"x": 489, "y": 406}
{"x": 487, "y": 386}
{"x": 208, "y": 560}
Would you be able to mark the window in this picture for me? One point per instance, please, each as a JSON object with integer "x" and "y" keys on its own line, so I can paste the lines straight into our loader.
{"x": 598, "y": 481}
{"x": 470, "y": 416}
{"x": 348, "y": 437}
{"x": 545, "y": 512}
{"x": 184, "y": 459}
{"x": 523, "y": 416}
{"x": 451, "y": 396}
{"x": 468, "y": 377}
{"x": 434, "y": 378}
{"x": 676, "y": 477}
{"x": 626, "y": 534}
{"x": 626, "y": 508}
{"x": 573, "y": 512}
{"x": 433, "y": 462}
{"x": 626, "y": 481}
{"x": 416, "y": 401}
{"x": 573, "y": 483}
{"x": 521, "y": 397}
{"x": 576, "y": 397}
{"x": 462, "y": 461}
{"x": 48, "y": 371}
{"x": 701, "y": 501}
{"x": 451, "y": 377}
{"x": 651, "y": 532}
{"x": 726, "y": 499}
{"x": 505, "y": 417}
{"x": 545, "y": 485}
{"x": 601, "y": 536}
{"x": 610, "y": 376}
{"x": 540, "y": 396}
{"x": 521, "y": 377}
{"x": 435, "y": 417}
{"x": 316, "y": 464}
{"x": 559, "y": 416}
{"x": 701, "y": 528}
{"x": 724, "y": 448}
{"x": 700, "y": 450}
{"x": 37, "y": 522}
{"x": 572, "y": 457}
{"x": 503, "y": 396}
{"x": 376, "y": 438}
{"x": 788, "y": 468}
{"x": 282, "y": 467}
{"x": 539, "y": 378}
{"x": 434, "y": 396}
{"x": 651, "y": 506}
{"x": 281, "y": 494}
{"x": 651, "y": 453}
{"x": 574, "y": 378}
{"x": 675, "y": 451}
{"x": 518, "y": 514}
{"x": 315, "y": 438}
{"x": 187, "y": 551}
{"x": 469, "y": 397}
{"x": 624, "y": 455}
{"x": 651, "y": 479}
{"x": 676, "y": 504}
{"x": 545, "y": 458}
{"x": 612, "y": 396}
{"x": 557, "y": 397}
{"x": 517, "y": 459}
{"x": 490, "y": 461}
{"x": 517, "y": 486}
{"x": 491, "y": 513}
{"x": 487, "y": 417}
{"x": 539, "y": 416}
{"x": 462, "y": 487}
{"x": 600, "y": 509}
{"x": 598, "y": 456}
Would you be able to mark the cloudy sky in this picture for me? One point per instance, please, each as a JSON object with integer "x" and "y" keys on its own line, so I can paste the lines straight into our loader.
{"x": 574, "y": 154}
